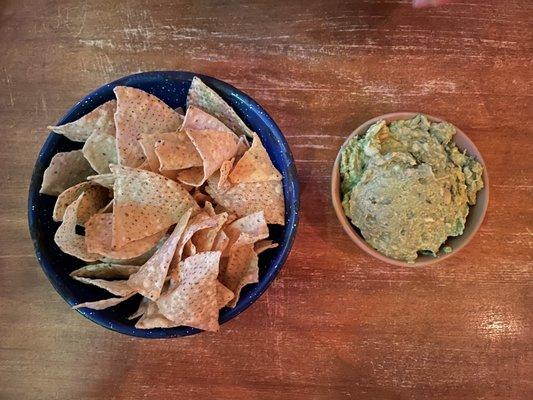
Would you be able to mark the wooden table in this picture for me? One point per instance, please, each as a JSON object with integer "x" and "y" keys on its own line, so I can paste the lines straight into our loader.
{"x": 335, "y": 324}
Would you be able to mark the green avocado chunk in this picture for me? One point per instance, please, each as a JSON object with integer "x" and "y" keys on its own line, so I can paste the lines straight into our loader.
{"x": 407, "y": 187}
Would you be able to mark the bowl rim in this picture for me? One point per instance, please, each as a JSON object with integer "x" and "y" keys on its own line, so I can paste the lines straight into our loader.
{"x": 290, "y": 185}
{"x": 357, "y": 238}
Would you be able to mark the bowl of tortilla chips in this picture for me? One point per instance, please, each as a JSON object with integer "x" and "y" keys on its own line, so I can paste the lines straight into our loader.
{"x": 163, "y": 204}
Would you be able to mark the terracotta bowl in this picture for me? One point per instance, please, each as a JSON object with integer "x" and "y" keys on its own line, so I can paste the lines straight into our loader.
{"x": 473, "y": 221}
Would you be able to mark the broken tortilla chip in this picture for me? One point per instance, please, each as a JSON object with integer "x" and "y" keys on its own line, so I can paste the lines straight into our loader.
{"x": 241, "y": 269}
{"x": 102, "y": 304}
{"x": 139, "y": 113}
{"x": 264, "y": 245}
{"x": 254, "y": 166}
{"x": 224, "y": 295}
{"x": 150, "y": 278}
{"x": 205, "y": 98}
{"x": 214, "y": 148}
{"x": 192, "y": 301}
{"x": 175, "y": 151}
{"x": 145, "y": 203}
{"x": 247, "y": 198}
{"x": 65, "y": 170}
{"x": 95, "y": 198}
{"x": 105, "y": 180}
{"x": 98, "y": 120}
{"x": 66, "y": 237}
{"x": 98, "y": 238}
{"x": 105, "y": 271}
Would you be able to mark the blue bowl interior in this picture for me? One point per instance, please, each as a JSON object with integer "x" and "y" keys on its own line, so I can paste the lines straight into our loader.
{"x": 171, "y": 87}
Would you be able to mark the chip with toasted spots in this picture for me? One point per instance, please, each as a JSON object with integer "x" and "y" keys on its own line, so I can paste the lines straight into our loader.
{"x": 100, "y": 120}
{"x": 175, "y": 151}
{"x": 65, "y": 170}
{"x": 241, "y": 269}
{"x": 105, "y": 271}
{"x": 139, "y": 113}
{"x": 102, "y": 304}
{"x": 96, "y": 197}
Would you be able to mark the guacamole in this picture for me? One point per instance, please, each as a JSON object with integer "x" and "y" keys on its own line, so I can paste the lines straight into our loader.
{"x": 407, "y": 187}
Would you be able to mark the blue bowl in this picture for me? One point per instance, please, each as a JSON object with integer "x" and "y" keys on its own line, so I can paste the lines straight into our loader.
{"x": 171, "y": 87}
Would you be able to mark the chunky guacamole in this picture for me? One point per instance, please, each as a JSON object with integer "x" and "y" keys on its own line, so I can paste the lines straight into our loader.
{"x": 407, "y": 187}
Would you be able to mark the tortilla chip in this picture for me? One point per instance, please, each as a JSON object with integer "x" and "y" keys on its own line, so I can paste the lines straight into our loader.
{"x": 224, "y": 172}
{"x": 105, "y": 271}
{"x": 254, "y": 165}
{"x": 248, "y": 229}
{"x": 105, "y": 180}
{"x": 205, "y": 238}
{"x": 118, "y": 288}
{"x": 152, "y": 318}
{"x": 197, "y": 223}
{"x": 264, "y": 245}
{"x": 98, "y": 120}
{"x": 192, "y": 301}
{"x": 180, "y": 111}
{"x": 65, "y": 170}
{"x": 145, "y": 203}
{"x": 200, "y": 197}
{"x": 143, "y": 307}
{"x": 247, "y": 198}
{"x": 199, "y": 120}
{"x": 100, "y": 150}
{"x": 147, "y": 142}
{"x": 98, "y": 237}
{"x": 221, "y": 242}
{"x": 203, "y": 97}
{"x": 66, "y": 237}
{"x": 149, "y": 280}
{"x": 175, "y": 151}
{"x": 208, "y": 209}
{"x": 242, "y": 269}
{"x": 102, "y": 304}
{"x": 95, "y": 198}
{"x": 224, "y": 295}
{"x": 139, "y": 113}
{"x": 214, "y": 148}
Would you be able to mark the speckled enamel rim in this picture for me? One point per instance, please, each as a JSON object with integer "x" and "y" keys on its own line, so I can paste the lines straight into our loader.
{"x": 290, "y": 188}
{"x": 474, "y": 219}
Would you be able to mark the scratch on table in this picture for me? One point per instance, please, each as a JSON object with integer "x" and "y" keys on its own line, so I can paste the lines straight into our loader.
{"x": 314, "y": 146}
{"x": 84, "y": 16}
{"x": 98, "y": 43}
{"x": 45, "y": 108}
{"x": 9, "y": 89}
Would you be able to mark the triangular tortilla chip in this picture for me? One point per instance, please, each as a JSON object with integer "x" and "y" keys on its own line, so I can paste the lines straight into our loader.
{"x": 102, "y": 304}
{"x": 145, "y": 203}
{"x": 139, "y": 113}
{"x": 203, "y": 97}
{"x": 264, "y": 245}
{"x": 197, "y": 223}
{"x": 254, "y": 165}
{"x": 66, "y": 237}
{"x": 98, "y": 120}
{"x": 242, "y": 269}
{"x": 192, "y": 301}
{"x": 98, "y": 237}
{"x": 175, "y": 151}
{"x": 100, "y": 150}
{"x": 247, "y": 198}
{"x": 198, "y": 120}
{"x": 214, "y": 148}
{"x": 95, "y": 198}
{"x": 65, "y": 170}
{"x": 118, "y": 288}
{"x": 224, "y": 295}
{"x": 149, "y": 280}
{"x": 105, "y": 271}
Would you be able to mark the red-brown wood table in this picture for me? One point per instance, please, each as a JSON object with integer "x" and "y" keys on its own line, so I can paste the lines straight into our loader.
{"x": 335, "y": 323}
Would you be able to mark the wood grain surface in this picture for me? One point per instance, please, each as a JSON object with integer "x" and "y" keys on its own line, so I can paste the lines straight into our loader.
{"x": 335, "y": 324}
